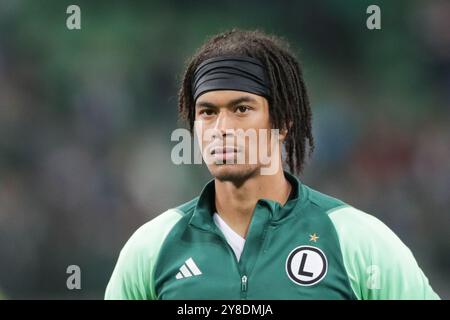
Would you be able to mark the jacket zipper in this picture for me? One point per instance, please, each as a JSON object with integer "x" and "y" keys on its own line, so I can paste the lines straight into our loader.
{"x": 244, "y": 281}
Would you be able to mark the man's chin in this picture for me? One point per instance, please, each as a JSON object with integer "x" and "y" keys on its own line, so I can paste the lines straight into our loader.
{"x": 236, "y": 173}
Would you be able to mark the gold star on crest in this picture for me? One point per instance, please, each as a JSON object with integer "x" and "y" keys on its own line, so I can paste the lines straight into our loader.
{"x": 313, "y": 237}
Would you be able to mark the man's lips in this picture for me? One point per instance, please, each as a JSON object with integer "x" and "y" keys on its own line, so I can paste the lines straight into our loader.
{"x": 223, "y": 150}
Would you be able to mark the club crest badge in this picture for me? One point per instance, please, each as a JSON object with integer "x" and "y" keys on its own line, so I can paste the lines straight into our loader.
{"x": 306, "y": 265}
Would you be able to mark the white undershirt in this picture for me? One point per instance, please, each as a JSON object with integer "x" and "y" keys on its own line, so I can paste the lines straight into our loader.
{"x": 235, "y": 241}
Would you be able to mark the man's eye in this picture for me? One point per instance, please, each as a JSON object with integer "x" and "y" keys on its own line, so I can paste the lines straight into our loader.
{"x": 242, "y": 109}
{"x": 206, "y": 112}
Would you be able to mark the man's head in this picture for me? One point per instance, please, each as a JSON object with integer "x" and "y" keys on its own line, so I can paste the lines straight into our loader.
{"x": 277, "y": 99}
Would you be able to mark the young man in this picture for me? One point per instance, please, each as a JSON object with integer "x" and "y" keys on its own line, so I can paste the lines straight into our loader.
{"x": 251, "y": 235}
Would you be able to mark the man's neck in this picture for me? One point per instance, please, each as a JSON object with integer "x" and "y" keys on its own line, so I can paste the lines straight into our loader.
{"x": 235, "y": 204}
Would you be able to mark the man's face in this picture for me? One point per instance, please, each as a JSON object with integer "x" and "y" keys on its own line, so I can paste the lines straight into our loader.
{"x": 229, "y": 125}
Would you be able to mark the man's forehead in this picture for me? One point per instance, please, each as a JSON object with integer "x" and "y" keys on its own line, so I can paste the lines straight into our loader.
{"x": 220, "y": 97}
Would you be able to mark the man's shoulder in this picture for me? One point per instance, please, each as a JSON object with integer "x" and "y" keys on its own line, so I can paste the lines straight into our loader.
{"x": 323, "y": 201}
{"x": 163, "y": 223}
{"x": 357, "y": 222}
{"x": 348, "y": 219}
{"x": 154, "y": 231}
{"x": 361, "y": 232}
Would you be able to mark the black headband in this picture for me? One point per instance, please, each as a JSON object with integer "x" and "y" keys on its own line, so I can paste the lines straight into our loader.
{"x": 240, "y": 73}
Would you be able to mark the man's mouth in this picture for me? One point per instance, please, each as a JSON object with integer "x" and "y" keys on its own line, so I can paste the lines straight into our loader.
{"x": 222, "y": 154}
{"x": 223, "y": 150}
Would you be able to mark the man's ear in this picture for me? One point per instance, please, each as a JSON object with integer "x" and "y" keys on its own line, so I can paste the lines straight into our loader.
{"x": 284, "y": 131}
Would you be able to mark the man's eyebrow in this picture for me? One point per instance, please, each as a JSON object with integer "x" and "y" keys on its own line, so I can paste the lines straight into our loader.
{"x": 205, "y": 104}
{"x": 240, "y": 100}
{"x": 232, "y": 102}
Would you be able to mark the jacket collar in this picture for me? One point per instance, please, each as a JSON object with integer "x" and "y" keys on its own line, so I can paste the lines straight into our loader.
{"x": 205, "y": 207}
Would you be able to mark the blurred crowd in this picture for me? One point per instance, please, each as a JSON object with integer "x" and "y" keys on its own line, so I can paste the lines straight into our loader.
{"x": 86, "y": 118}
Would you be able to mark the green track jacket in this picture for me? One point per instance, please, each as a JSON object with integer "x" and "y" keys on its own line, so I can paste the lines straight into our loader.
{"x": 313, "y": 247}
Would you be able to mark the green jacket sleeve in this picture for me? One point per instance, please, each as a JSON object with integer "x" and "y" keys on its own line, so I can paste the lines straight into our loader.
{"x": 378, "y": 263}
{"x": 133, "y": 275}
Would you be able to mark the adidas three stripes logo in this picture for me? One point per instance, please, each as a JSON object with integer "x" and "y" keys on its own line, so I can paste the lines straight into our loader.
{"x": 188, "y": 269}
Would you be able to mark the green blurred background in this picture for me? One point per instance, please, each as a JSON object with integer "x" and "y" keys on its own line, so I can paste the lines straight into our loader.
{"x": 86, "y": 117}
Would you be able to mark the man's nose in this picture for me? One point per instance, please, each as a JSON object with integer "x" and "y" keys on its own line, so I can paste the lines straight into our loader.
{"x": 222, "y": 126}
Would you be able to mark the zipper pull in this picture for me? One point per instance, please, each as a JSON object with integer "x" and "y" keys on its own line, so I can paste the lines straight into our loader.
{"x": 244, "y": 283}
